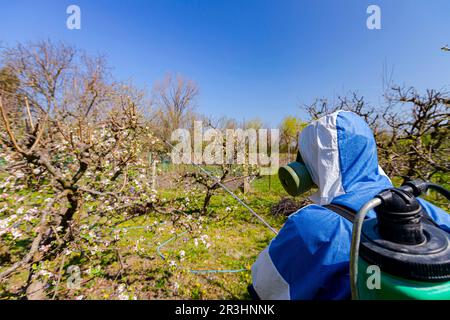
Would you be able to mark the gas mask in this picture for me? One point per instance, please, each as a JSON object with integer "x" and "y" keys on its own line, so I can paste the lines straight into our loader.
{"x": 295, "y": 177}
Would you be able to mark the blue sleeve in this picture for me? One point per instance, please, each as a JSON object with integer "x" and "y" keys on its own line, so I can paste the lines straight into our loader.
{"x": 311, "y": 253}
{"x": 441, "y": 217}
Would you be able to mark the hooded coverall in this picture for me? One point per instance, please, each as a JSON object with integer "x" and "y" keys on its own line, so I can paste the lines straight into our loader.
{"x": 309, "y": 258}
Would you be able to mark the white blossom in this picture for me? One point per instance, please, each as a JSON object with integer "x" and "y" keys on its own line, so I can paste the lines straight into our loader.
{"x": 16, "y": 233}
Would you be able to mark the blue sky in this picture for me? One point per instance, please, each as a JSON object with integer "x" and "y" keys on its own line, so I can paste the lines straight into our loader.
{"x": 251, "y": 58}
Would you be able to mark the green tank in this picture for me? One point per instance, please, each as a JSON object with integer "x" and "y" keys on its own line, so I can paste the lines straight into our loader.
{"x": 396, "y": 288}
{"x": 403, "y": 253}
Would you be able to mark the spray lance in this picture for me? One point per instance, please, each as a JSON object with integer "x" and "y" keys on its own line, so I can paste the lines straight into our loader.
{"x": 411, "y": 252}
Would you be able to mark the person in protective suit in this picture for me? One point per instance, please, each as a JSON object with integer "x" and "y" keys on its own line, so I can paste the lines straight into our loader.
{"x": 309, "y": 258}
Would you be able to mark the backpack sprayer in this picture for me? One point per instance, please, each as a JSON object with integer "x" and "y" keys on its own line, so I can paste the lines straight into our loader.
{"x": 411, "y": 251}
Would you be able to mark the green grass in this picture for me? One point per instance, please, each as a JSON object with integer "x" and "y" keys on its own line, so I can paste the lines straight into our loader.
{"x": 236, "y": 239}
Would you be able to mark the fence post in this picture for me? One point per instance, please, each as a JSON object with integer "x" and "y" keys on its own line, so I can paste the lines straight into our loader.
{"x": 154, "y": 174}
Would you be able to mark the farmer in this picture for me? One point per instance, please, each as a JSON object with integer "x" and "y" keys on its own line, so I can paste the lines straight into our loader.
{"x": 309, "y": 259}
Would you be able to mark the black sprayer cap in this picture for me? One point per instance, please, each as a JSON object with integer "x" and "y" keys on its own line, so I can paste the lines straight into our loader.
{"x": 399, "y": 217}
{"x": 401, "y": 244}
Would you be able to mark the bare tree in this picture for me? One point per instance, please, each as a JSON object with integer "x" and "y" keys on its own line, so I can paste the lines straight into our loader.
{"x": 65, "y": 123}
{"x": 411, "y": 130}
{"x": 175, "y": 102}
{"x": 353, "y": 102}
{"x": 417, "y": 141}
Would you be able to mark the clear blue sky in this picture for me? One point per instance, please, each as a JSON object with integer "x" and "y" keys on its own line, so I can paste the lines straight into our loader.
{"x": 251, "y": 58}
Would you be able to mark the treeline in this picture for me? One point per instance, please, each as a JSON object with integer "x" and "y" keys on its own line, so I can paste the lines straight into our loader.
{"x": 411, "y": 128}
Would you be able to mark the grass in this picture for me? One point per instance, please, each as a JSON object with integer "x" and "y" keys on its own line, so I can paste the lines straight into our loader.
{"x": 236, "y": 239}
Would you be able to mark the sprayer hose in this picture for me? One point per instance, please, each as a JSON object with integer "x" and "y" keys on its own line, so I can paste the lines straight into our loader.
{"x": 440, "y": 189}
{"x": 356, "y": 238}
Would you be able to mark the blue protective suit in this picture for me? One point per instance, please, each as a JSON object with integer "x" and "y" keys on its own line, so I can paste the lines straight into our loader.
{"x": 309, "y": 258}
